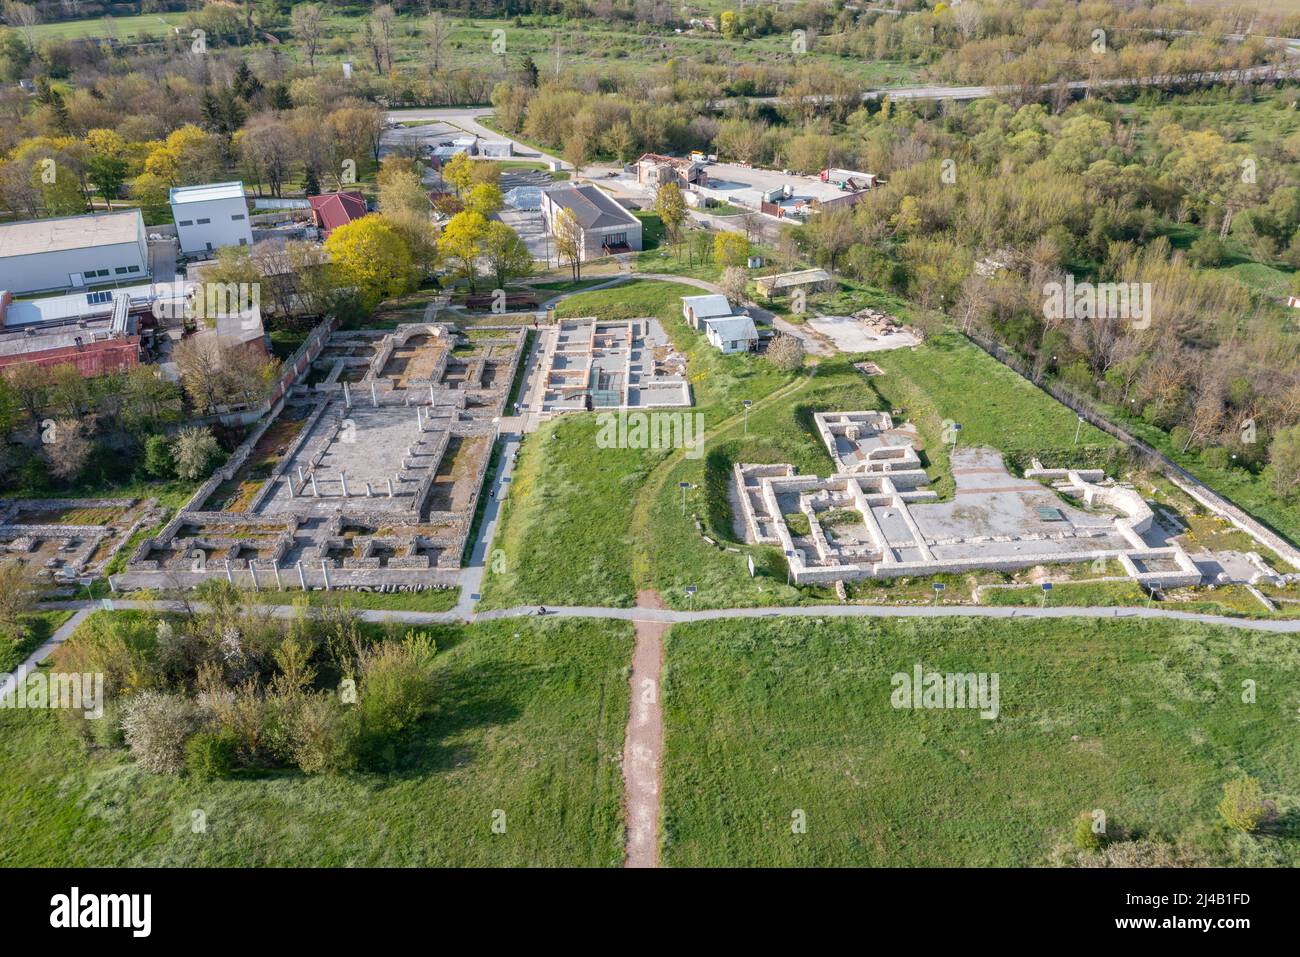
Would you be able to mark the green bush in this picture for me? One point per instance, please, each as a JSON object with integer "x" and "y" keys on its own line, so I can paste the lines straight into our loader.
{"x": 323, "y": 734}
{"x": 210, "y": 754}
{"x": 158, "y": 461}
{"x": 1216, "y": 457}
{"x": 1085, "y": 838}
{"x": 1242, "y": 807}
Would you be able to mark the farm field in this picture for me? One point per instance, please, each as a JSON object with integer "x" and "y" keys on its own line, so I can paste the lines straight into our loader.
{"x": 529, "y": 722}
{"x": 766, "y": 719}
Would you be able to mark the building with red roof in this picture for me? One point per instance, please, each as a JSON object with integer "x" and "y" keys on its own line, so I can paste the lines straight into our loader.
{"x": 329, "y": 211}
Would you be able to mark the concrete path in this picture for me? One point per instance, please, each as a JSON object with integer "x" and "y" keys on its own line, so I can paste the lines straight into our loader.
{"x": 674, "y": 616}
{"x": 471, "y": 575}
{"x": 643, "y": 743}
{"x": 61, "y": 634}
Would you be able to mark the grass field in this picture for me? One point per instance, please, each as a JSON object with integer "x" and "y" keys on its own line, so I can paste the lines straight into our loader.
{"x": 529, "y": 722}
{"x": 39, "y": 627}
{"x": 1143, "y": 720}
{"x": 611, "y": 509}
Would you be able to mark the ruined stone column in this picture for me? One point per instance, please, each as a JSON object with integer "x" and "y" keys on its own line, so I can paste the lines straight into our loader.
{"x": 390, "y": 488}
{"x": 302, "y": 577}
{"x": 347, "y": 398}
{"x": 252, "y": 573}
{"x": 374, "y": 398}
{"x": 315, "y": 492}
{"x": 343, "y": 480}
{"x": 324, "y": 570}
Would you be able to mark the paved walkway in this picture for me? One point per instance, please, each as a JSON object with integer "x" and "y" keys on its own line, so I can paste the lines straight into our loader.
{"x": 61, "y": 634}
{"x": 676, "y": 616}
{"x": 643, "y": 744}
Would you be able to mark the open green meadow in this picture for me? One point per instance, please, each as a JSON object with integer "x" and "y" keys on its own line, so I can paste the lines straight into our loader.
{"x": 529, "y": 722}
{"x": 1143, "y": 720}
{"x": 579, "y": 516}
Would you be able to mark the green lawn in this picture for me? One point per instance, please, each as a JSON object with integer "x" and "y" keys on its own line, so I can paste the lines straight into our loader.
{"x": 1143, "y": 720}
{"x": 128, "y": 29}
{"x": 39, "y": 627}
{"x": 616, "y": 514}
{"x": 530, "y": 722}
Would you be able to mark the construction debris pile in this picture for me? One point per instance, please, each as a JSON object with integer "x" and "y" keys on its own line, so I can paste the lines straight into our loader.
{"x": 879, "y": 323}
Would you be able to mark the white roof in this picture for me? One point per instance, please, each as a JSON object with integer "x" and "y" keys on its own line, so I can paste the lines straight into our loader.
{"x": 706, "y": 306}
{"x": 731, "y": 328}
{"x": 69, "y": 232}
{"x": 206, "y": 193}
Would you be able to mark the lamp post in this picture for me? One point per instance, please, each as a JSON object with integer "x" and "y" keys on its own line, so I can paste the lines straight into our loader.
{"x": 683, "y": 486}
{"x": 747, "y": 403}
{"x": 1077, "y": 429}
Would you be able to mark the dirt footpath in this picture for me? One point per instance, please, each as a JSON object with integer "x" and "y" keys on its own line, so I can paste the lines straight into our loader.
{"x": 644, "y": 742}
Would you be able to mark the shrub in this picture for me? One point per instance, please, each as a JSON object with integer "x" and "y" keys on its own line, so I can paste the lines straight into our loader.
{"x": 106, "y": 731}
{"x": 1242, "y": 807}
{"x": 210, "y": 754}
{"x": 397, "y": 684}
{"x": 158, "y": 457}
{"x": 156, "y": 728}
{"x": 1216, "y": 457}
{"x": 786, "y": 353}
{"x": 1207, "y": 252}
{"x": 323, "y": 734}
{"x": 195, "y": 451}
{"x": 1085, "y": 838}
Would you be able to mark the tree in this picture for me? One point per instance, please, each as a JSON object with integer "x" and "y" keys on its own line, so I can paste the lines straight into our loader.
{"x": 437, "y": 33}
{"x": 195, "y": 451}
{"x": 1242, "y": 807}
{"x": 568, "y": 241}
{"x": 786, "y": 353}
{"x": 24, "y": 18}
{"x": 730, "y": 249}
{"x": 308, "y": 26}
{"x": 150, "y": 191}
{"x": 734, "y": 283}
{"x": 620, "y": 140}
{"x": 462, "y": 243}
{"x": 18, "y": 596}
{"x": 459, "y": 172}
{"x": 1283, "y": 469}
{"x": 405, "y": 204}
{"x": 671, "y": 208}
{"x": 485, "y": 199}
{"x": 107, "y": 174}
{"x": 507, "y": 255}
{"x": 157, "y": 727}
{"x": 67, "y": 450}
{"x": 158, "y": 457}
{"x": 371, "y": 256}
{"x": 29, "y": 384}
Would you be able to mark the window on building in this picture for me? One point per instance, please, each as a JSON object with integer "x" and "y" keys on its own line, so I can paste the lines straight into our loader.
{"x": 132, "y": 268}
{"x": 120, "y": 270}
{"x": 243, "y": 242}
{"x": 186, "y": 222}
{"x": 238, "y": 216}
{"x": 203, "y": 222}
{"x": 98, "y": 298}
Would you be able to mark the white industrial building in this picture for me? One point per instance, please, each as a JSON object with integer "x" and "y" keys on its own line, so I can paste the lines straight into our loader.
{"x": 73, "y": 252}
{"x": 211, "y": 216}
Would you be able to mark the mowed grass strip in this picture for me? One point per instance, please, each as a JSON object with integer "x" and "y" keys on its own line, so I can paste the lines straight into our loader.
{"x": 1144, "y": 720}
{"x": 529, "y": 722}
